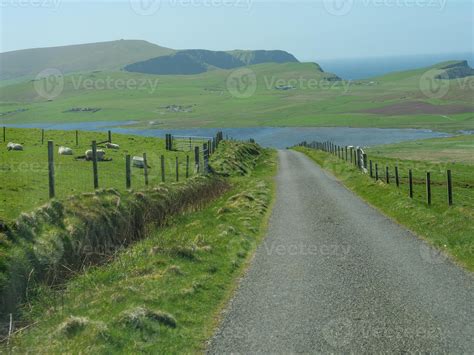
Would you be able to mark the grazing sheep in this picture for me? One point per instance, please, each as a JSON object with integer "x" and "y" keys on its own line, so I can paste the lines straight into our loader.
{"x": 138, "y": 162}
{"x": 112, "y": 145}
{"x": 64, "y": 151}
{"x": 14, "y": 146}
{"x": 100, "y": 154}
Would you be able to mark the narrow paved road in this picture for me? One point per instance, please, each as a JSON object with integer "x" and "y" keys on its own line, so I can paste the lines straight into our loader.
{"x": 335, "y": 275}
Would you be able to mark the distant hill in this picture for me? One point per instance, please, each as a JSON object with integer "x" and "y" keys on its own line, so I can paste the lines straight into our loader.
{"x": 196, "y": 61}
{"x": 454, "y": 70}
{"x": 109, "y": 56}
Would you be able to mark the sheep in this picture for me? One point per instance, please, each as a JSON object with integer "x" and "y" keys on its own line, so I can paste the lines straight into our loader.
{"x": 112, "y": 145}
{"x": 100, "y": 154}
{"x": 64, "y": 151}
{"x": 138, "y": 162}
{"x": 14, "y": 146}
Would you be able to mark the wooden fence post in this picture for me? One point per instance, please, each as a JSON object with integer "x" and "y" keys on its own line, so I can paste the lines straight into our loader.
{"x": 410, "y": 182}
{"x": 371, "y": 170}
{"x": 187, "y": 166}
{"x": 94, "y": 165}
{"x": 4, "y": 133}
{"x": 376, "y": 171}
{"x": 110, "y": 136}
{"x": 397, "y": 177}
{"x": 365, "y": 161}
{"x": 205, "y": 151}
{"x": 77, "y": 137}
{"x": 450, "y": 188}
{"x": 352, "y": 155}
{"x": 387, "y": 175}
{"x": 162, "y": 158}
{"x": 428, "y": 188}
{"x": 196, "y": 158}
{"x": 42, "y": 136}
{"x": 128, "y": 173}
{"x": 145, "y": 168}
{"x": 177, "y": 169}
{"x": 51, "y": 169}
{"x": 346, "y": 153}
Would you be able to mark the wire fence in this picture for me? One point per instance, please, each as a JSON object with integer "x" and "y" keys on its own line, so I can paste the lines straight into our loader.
{"x": 48, "y": 164}
{"x": 442, "y": 185}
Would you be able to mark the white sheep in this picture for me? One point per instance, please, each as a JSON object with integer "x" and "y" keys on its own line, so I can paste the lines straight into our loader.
{"x": 112, "y": 145}
{"x": 64, "y": 151}
{"x": 14, "y": 146}
{"x": 138, "y": 162}
{"x": 100, "y": 154}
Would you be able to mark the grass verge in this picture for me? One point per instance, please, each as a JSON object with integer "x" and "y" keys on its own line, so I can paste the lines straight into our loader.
{"x": 451, "y": 229}
{"x": 162, "y": 294}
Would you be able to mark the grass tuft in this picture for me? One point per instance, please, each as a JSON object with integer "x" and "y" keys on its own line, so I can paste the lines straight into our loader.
{"x": 73, "y": 325}
{"x": 137, "y": 318}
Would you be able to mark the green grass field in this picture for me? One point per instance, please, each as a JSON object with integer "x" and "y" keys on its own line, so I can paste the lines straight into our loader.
{"x": 449, "y": 228}
{"x": 207, "y": 101}
{"x": 24, "y": 174}
{"x": 164, "y": 294}
{"x": 457, "y": 149}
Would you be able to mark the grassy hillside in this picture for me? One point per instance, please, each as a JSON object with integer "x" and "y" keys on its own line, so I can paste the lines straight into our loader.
{"x": 112, "y": 55}
{"x": 448, "y": 228}
{"x": 289, "y": 94}
{"x": 164, "y": 293}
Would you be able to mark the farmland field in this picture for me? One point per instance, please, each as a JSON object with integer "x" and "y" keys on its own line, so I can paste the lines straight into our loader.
{"x": 457, "y": 149}
{"x": 24, "y": 174}
{"x": 205, "y": 100}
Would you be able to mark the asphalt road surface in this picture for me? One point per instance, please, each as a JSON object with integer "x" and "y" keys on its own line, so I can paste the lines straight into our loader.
{"x": 335, "y": 275}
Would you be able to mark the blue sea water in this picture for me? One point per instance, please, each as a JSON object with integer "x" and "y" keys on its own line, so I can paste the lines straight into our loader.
{"x": 364, "y": 68}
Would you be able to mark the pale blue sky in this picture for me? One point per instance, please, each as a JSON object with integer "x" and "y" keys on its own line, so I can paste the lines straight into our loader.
{"x": 309, "y": 29}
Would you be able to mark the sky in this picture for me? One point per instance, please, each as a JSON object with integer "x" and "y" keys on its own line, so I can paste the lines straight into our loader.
{"x": 310, "y": 30}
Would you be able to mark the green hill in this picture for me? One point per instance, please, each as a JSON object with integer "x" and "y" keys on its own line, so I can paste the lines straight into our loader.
{"x": 109, "y": 56}
{"x": 195, "y": 61}
{"x": 280, "y": 94}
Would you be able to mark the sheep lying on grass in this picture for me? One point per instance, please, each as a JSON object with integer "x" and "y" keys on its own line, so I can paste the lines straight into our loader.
{"x": 138, "y": 162}
{"x": 64, "y": 151}
{"x": 112, "y": 146}
{"x": 14, "y": 146}
{"x": 100, "y": 154}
